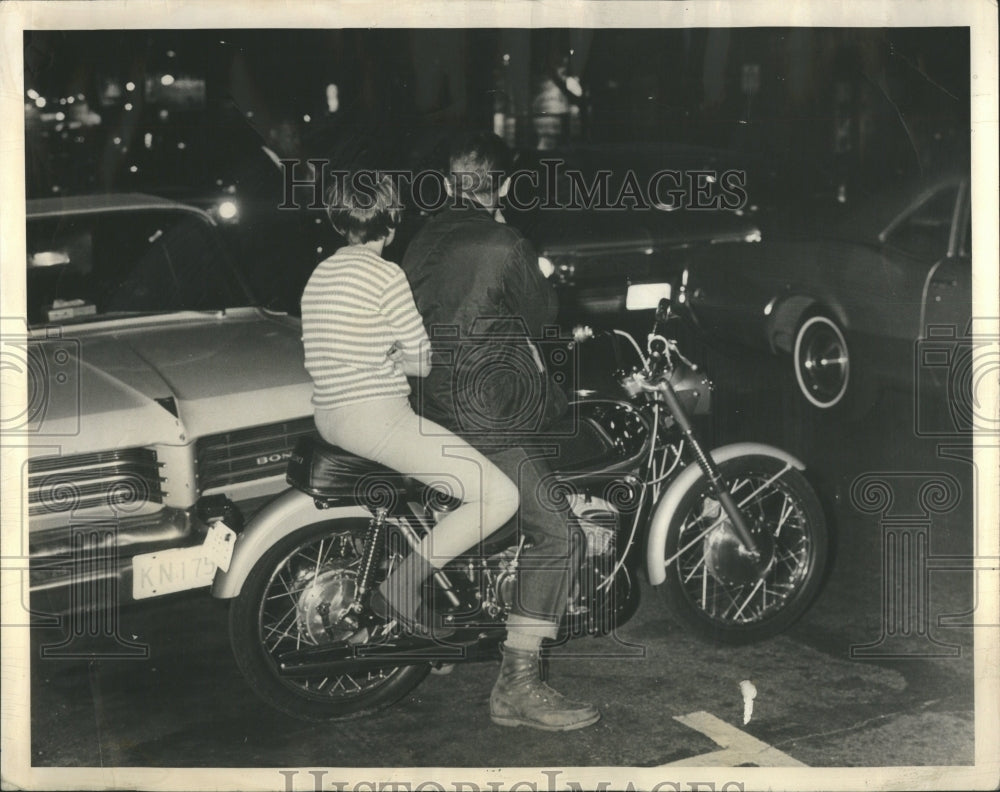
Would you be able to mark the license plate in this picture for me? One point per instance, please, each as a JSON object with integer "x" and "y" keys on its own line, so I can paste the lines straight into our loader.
{"x": 155, "y": 574}
{"x": 183, "y": 568}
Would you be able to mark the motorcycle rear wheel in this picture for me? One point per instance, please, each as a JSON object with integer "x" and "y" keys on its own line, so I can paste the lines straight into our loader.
{"x": 712, "y": 588}
{"x": 295, "y": 597}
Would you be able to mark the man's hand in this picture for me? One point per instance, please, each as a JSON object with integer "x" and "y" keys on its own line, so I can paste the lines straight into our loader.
{"x": 546, "y": 266}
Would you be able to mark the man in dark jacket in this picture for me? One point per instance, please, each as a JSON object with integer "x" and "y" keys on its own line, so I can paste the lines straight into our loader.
{"x": 485, "y": 302}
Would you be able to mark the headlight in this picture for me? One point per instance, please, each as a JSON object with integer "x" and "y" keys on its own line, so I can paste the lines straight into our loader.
{"x": 228, "y": 210}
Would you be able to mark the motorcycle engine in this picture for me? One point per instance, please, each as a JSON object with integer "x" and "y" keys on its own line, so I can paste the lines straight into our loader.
{"x": 596, "y": 520}
{"x": 501, "y": 579}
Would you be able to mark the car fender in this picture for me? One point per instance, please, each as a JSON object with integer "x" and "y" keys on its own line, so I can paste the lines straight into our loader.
{"x": 284, "y": 515}
{"x": 670, "y": 501}
{"x": 786, "y": 312}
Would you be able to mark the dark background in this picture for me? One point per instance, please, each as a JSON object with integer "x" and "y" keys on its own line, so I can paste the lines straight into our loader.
{"x": 861, "y": 104}
{"x": 810, "y": 114}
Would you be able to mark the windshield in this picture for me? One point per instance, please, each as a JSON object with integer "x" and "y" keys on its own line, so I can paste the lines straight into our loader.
{"x": 90, "y": 266}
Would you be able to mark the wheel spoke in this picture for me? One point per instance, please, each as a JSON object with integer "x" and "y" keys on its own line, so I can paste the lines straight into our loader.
{"x": 732, "y": 603}
{"x": 719, "y": 520}
{"x": 293, "y": 593}
{"x": 319, "y": 556}
{"x": 766, "y": 484}
{"x": 769, "y": 506}
{"x": 695, "y": 568}
{"x": 786, "y": 510}
{"x": 749, "y": 598}
{"x": 312, "y": 570}
{"x": 282, "y": 632}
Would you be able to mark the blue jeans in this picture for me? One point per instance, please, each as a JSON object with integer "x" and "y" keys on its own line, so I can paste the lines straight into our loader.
{"x": 543, "y": 572}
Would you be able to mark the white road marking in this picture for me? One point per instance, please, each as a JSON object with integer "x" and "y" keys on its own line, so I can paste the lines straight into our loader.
{"x": 738, "y": 747}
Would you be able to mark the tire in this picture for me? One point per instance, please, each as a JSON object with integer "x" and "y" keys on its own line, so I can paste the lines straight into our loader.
{"x": 827, "y": 371}
{"x": 716, "y": 592}
{"x": 321, "y": 560}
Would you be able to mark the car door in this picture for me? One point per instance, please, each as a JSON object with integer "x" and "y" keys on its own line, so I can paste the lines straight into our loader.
{"x": 945, "y": 354}
{"x": 947, "y": 303}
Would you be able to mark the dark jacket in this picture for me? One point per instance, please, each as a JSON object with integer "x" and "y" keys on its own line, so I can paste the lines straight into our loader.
{"x": 477, "y": 285}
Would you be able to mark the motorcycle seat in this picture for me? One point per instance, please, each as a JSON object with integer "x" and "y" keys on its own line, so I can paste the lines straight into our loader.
{"x": 329, "y": 473}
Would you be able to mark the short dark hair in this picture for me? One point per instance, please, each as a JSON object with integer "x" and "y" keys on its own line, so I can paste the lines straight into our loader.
{"x": 362, "y": 206}
{"x": 477, "y": 165}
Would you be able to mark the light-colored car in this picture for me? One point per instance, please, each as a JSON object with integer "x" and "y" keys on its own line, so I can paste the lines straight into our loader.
{"x": 154, "y": 381}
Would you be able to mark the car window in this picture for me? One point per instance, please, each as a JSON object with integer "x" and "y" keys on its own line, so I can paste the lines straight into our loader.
{"x": 925, "y": 232}
{"x": 83, "y": 267}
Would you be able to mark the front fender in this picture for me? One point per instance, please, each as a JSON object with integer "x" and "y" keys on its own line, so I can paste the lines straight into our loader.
{"x": 670, "y": 501}
{"x": 287, "y": 513}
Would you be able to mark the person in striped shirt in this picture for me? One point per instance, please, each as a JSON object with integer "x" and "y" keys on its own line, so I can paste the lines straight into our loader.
{"x": 363, "y": 337}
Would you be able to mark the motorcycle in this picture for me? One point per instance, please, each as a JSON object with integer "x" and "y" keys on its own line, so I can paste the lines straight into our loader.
{"x": 735, "y": 538}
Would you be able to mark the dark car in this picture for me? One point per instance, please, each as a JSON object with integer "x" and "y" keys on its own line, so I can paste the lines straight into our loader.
{"x": 847, "y": 295}
{"x": 607, "y": 216}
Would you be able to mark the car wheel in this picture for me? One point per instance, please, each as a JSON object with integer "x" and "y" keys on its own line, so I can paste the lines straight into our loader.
{"x": 826, "y": 370}
{"x": 822, "y": 362}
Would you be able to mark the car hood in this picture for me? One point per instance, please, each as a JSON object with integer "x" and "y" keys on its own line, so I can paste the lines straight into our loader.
{"x": 170, "y": 380}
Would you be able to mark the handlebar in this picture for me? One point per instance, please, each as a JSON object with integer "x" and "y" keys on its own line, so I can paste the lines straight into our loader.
{"x": 657, "y": 363}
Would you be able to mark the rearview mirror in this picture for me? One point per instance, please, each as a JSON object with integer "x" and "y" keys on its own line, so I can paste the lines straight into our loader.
{"x": 646, "y": 296}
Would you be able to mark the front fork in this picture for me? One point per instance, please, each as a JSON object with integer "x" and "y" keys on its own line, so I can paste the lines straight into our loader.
{"x": 711, "y": 471}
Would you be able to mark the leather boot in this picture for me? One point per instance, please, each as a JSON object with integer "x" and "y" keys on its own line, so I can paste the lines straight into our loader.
{"x": 520, "y": 698}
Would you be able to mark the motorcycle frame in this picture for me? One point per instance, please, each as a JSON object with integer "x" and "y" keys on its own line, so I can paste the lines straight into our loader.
{"x": 294, "y": 510}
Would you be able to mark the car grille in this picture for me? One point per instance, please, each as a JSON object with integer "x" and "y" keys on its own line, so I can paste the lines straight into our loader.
{"x": 249, "y": 454}
{"x": 122, "y": 480}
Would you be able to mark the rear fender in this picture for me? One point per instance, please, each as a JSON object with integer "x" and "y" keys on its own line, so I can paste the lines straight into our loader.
{"x": 670, "y": 501}
{"x": 285, "y": 514}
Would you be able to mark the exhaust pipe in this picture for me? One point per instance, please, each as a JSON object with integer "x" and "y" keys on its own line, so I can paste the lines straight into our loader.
{"x": 357, "y": 658}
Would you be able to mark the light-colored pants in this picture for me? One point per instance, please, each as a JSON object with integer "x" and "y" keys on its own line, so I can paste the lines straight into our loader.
{"x": 387, "y": 431}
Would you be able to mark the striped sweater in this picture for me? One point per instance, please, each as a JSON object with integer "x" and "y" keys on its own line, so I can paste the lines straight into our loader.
{"x": 355, "y": 306}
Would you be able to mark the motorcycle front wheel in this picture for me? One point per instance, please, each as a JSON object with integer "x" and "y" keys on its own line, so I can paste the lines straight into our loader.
{"x": 299, "y": 595}
{"x": 718, "y": 590}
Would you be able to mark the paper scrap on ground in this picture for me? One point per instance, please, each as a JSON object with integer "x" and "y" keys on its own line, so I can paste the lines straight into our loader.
{"x": 749, "y": 694}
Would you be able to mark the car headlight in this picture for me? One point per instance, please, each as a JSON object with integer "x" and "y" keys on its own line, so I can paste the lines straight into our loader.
{"x": 228, "y": 210}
